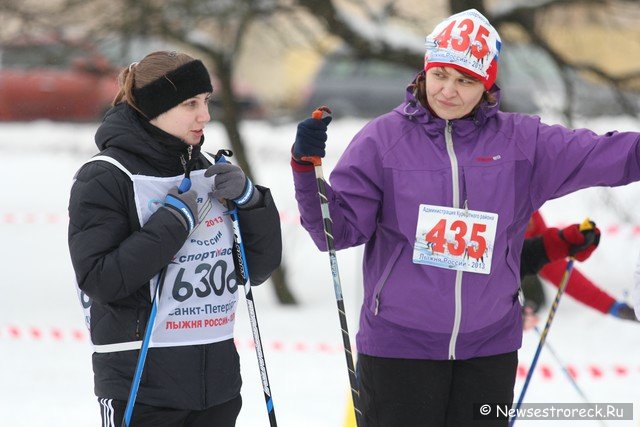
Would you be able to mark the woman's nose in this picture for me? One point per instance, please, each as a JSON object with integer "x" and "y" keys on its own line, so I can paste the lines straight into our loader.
{"x": 449, "y": 89}
{"x": 204, "y": 115}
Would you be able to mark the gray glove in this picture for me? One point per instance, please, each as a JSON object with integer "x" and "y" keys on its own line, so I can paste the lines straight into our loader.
{"x": 231, "y": 183}
{"x": 183, "y": 206}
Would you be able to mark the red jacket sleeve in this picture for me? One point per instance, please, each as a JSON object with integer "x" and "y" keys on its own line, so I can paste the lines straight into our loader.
{"x": 579, "y": 286}
{"x": 536, "y": 225}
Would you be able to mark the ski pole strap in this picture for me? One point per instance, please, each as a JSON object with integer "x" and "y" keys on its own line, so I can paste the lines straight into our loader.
{"x": 247, "y": 193}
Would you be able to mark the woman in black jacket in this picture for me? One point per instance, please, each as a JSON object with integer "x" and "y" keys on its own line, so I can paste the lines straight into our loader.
{"x": 132, "y": 229}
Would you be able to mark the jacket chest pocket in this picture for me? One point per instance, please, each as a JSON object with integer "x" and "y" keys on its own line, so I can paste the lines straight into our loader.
{"x": 410, "y": 189}
{"x": 495, "y": 188}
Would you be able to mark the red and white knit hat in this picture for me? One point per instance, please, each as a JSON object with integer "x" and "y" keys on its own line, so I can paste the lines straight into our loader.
{"x": 467, "y": 42}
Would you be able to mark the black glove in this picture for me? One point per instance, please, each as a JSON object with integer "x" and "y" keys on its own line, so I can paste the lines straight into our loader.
{"x": 623, "y": 311}
{"x": 231, "y": 183}
{"x": 311, "y": 139}
{"x": 183, "y": 206}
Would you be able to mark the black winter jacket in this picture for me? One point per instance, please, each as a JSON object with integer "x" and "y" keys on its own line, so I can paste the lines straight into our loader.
{"x": 533, "y": 256}
{"x": 114, "y": 259}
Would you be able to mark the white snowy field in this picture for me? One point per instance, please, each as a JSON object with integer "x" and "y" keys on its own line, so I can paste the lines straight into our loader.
{"x": 45, "y": 369}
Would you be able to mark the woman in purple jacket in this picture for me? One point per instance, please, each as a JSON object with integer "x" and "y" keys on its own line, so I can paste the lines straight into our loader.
{"x": 440, "y": 191}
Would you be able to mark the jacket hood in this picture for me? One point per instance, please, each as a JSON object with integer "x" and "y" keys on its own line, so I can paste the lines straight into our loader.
{"x": 125, "y": 129}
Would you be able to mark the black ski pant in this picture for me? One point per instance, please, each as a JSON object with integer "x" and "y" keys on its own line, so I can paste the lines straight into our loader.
{"x": 438, "y": 393}
{"x": 223, "y": 415}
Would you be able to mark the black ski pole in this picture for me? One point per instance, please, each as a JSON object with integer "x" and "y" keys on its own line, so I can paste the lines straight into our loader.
{"x": 243, "y": 267}
{"x": 142, "y": 356}
{"x": 328, "y": 232}
{"x": 586, "y": 225}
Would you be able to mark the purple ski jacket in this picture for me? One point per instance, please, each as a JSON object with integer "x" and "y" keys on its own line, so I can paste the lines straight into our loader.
{"x": 505, "y": 163}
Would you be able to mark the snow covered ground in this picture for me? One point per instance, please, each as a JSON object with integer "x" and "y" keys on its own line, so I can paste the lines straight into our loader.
{"x": 45, "y": 369}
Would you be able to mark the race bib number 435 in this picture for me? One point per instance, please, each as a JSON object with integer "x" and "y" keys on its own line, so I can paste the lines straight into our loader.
{"x": 456, "y": 239}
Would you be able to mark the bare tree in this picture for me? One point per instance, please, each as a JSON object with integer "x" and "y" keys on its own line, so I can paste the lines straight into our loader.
{"x": 527, "y": 16}
{"x": 215, "y": 29}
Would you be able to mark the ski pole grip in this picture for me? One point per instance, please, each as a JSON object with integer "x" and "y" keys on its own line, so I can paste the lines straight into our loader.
{"x": 317, "y": 114}
{"x": 587, "y": 224}
{"x": 185, "y": 185}
{"x": 314, "y": 160}
{"x": 587, "y": 228}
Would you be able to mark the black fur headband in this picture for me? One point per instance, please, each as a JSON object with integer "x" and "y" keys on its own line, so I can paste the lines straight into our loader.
{"x": 166, "y": 92}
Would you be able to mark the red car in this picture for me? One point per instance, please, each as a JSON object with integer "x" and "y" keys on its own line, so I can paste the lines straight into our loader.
{"x": 51, "y": 78}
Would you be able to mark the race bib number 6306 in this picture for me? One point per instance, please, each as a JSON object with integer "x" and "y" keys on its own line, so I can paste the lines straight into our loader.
{"x": 457, "y": 239}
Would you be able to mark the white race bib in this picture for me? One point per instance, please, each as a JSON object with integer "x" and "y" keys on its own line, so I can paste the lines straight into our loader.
{"x": 199, "y": 288}
{"x": 456, "y": 239}
{"x": 199, "y": 295}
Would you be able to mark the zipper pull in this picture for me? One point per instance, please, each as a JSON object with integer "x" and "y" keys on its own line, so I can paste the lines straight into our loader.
{"x": 183, "y": 162}
{"x": 377, "y": 309}
{"x": 521, "y": 296}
